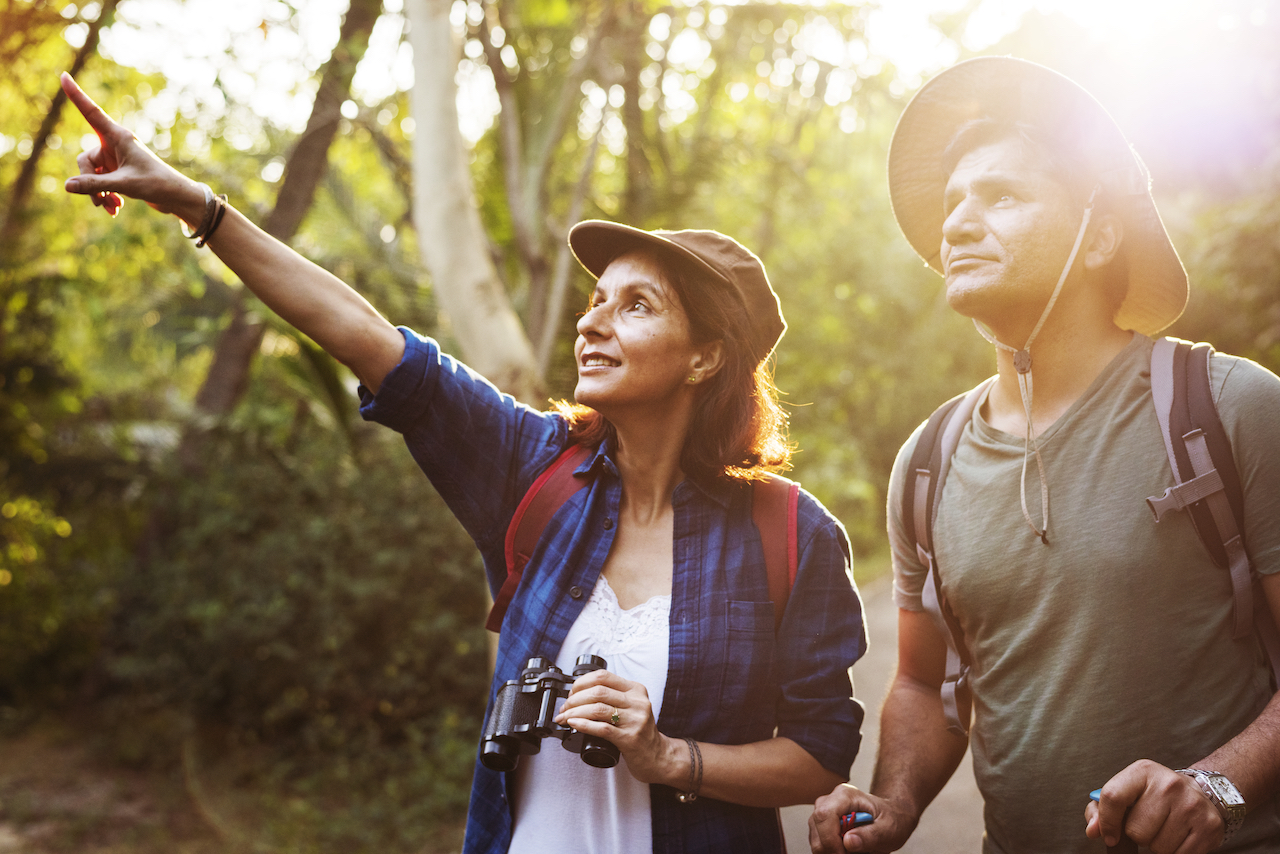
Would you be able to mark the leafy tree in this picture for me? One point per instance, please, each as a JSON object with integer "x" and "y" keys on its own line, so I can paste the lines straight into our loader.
{"x": 304, "y": 590}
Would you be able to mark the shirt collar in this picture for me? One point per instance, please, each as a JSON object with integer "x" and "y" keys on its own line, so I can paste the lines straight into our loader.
{"x": 717, "y": 489}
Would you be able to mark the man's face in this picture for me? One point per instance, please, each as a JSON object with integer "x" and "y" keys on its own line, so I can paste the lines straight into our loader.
{"x": 1008, "y": 231}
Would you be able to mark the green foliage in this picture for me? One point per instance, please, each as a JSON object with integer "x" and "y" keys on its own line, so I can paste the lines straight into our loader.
{"x": 298, "y": 588}
{"x": 330, "y": 611}
{"x": 55, "y": 596}
{"x": 31, "y": 609}
{"x": 1234, "y": 252}
{"x": 294, "y": 593}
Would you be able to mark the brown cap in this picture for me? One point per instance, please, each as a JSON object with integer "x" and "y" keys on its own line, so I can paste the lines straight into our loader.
{"x": 723, "y": 260}
{"x": 1009, "y": 89}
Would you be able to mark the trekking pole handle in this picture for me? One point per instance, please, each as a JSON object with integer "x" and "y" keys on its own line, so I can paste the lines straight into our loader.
{"x": 1125, "y": 845}
{"x": 849, "y": 821}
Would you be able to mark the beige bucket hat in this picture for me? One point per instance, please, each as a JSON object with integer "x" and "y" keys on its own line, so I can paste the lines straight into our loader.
{"x": 1005, "y": 88}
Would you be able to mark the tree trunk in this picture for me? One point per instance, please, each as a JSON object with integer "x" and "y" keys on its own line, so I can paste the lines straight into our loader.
{"x": 228, "y": 376}
{"x": 450, "y": 234}
{"x": 637, "y": 199}
{"x": 564, "y": 266}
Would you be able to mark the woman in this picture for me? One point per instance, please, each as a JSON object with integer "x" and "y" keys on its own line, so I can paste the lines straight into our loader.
{"x": 656, "y": 566}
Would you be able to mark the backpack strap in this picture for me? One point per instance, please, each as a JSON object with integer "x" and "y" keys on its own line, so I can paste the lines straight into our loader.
{"x": 921, "y": 495}
{"x": 774, "y": 509}
{"x": 553, "y": 488}
{"x": 1207, "y": 482}
{"x": 775, "y": 506}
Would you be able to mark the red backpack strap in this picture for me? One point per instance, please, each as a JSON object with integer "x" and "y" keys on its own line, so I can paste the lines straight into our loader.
{"x": 774, "y": 508}
{"x": 549, "y": 492}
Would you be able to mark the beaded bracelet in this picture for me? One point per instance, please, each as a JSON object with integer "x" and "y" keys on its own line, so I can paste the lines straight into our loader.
{"x": 695, "y": 773}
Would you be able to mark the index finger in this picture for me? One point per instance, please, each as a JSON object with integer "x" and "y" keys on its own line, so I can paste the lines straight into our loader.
{"x": 93, "y": 114}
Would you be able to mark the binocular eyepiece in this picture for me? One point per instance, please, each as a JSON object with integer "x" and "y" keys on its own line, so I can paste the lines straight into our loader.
{"x": 524, "y": 711}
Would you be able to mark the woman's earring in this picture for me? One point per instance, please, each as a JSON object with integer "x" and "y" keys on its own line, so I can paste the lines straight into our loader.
{"x": 693, "y": 378}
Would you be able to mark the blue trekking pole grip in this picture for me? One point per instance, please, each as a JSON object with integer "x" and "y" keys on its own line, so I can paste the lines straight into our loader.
{"x": 849, "y": 821}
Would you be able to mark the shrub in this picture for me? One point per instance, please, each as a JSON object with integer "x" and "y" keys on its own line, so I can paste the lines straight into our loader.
{"x": 327, "y": 610}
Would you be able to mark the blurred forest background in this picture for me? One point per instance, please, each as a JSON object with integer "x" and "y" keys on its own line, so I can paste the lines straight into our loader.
{"x": 212, "y": 570}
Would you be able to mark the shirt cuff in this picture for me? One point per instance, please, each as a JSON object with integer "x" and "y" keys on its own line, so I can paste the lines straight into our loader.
{"x": 405, "y": 394}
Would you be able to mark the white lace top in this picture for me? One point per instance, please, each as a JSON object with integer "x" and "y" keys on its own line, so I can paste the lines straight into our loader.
{"x": 562, "y": 803}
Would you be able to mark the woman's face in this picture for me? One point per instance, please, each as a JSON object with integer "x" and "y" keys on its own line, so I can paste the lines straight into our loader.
{"x": 634, "y": 347}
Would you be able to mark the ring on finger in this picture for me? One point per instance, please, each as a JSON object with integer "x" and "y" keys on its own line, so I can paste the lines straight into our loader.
{"x": 615, "y": 718}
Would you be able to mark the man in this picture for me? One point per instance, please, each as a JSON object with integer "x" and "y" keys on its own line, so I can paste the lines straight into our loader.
{"x": 1101, "y": 643}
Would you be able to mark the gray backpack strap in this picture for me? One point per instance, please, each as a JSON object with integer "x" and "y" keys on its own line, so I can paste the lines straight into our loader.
{"x": 1170, "y": 378}
{"x": 936, "y": 445}
{"x": 1184, "y": 493}
{"x": 1207, "y": 483}
{"x": 1232, "y": 540}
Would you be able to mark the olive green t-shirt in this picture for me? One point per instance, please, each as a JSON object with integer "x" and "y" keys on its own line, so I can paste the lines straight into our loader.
{"x": 1112, "y": 643}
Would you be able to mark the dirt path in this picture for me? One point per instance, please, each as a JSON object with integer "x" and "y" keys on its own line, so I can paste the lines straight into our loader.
{"x": 57, "y": 796}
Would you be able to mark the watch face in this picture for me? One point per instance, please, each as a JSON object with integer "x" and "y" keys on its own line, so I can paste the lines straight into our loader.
{"x": 1229, "y": 794}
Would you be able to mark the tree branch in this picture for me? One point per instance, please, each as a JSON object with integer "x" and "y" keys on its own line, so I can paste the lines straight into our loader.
{"x": 570, "y": 94}
{"x": 559, "y": 288}
{"x": 511, "y": 136}
{"x": 20, "y": 193}
{"x": 228, "y": 376}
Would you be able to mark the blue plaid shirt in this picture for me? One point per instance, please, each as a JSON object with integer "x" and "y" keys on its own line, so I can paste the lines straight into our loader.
{"x": 731, "y": 679}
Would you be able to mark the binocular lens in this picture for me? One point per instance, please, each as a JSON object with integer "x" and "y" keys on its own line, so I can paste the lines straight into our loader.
{"x": 599, "y": 754}
{"x": 500, "y": 756}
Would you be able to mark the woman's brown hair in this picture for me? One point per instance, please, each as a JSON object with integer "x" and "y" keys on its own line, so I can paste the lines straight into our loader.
{"x": 738, "y": 429}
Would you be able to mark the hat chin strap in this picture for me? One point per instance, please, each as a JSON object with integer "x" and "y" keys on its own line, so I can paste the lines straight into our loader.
{"x": 1022, "y": 363}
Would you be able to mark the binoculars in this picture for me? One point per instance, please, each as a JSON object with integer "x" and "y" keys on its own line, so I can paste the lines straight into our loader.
{"x": 524, "y": 711}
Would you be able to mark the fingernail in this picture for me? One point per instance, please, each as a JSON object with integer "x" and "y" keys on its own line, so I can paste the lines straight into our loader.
{"x": 72, "y": 185}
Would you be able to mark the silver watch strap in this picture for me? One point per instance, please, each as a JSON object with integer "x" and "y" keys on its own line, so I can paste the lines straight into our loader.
{"x": 1224, "y": 795}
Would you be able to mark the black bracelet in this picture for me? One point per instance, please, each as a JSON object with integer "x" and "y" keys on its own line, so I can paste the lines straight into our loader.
{"x": 221, "y": 201}
{"x": 695, "y": 773}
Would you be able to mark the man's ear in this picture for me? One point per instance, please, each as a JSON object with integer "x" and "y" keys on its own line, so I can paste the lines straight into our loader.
{"x": 1106, "y": 235}
{"x": 708, "y": 360}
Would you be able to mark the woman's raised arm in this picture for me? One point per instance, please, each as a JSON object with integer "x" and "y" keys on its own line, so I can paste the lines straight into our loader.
{"x": 308, "y": 297}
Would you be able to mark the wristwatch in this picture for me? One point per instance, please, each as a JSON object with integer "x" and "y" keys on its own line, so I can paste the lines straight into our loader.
{"x": 1225, "y": 796}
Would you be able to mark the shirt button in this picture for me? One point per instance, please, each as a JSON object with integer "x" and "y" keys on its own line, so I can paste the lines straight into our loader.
{"x": 575, "y": 592}
{"x": 608, "y": 524}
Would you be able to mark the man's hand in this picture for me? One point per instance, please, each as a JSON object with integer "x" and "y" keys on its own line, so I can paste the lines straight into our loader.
{"x": 1167, "y": 812}
{"x": 889, "y": 831}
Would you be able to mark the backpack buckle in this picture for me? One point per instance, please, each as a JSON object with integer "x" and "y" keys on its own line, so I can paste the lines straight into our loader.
{"x": 1186, "y": 493}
